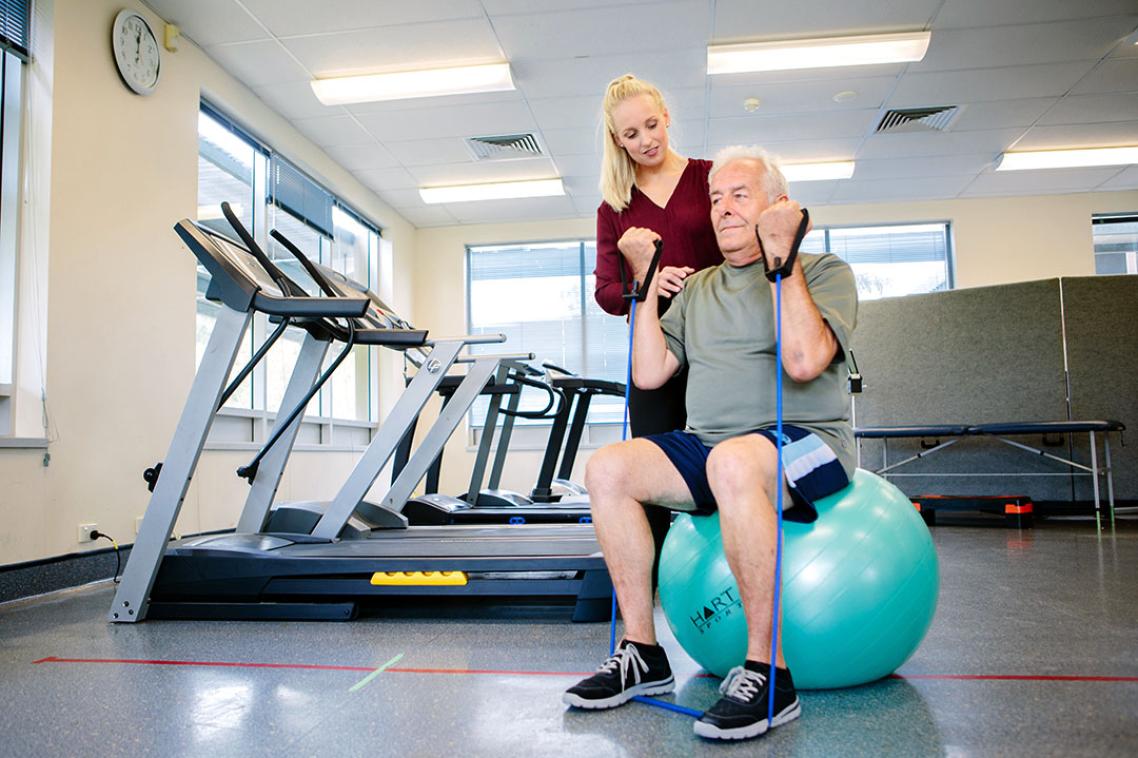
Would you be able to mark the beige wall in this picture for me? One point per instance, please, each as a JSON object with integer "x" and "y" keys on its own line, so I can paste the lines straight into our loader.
{"x": 111, "y": 173}
{"x": 996, "y": 241}
{"x": 107, "y": 292}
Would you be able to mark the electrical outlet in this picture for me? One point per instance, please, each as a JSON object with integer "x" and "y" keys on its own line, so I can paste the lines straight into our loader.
{"x": 85, "y": 531}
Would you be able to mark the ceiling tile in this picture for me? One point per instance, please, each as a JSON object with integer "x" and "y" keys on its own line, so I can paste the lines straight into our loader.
{"x": 802, "y": 151}
{"x": 1112, "y": 75}
{"x": 1127, "y": 179}
{"x": 798, "y": 97}
{"x": 737, "y": 19}
{"x": 403, "y": 198}
{"x": 428, "y": 215}
{"x": 468, "y": 121}
{"x": 1038, "y": 182}
{"x": 978, "y": 85}
{"x": 333, "y": 130}
{"x": 603, "y": 29}
{"x": 584, "y": 111}
{"x": 852, "y": 191}
{"x": 298, "y": 17}
{"x": 972, "y": 13}
{"x": 572, "y": 141}
{"x": 585, "y": 164}
{"x": 258, "y": 64}
{"x": 584, "y": 186}
{"x": 486, "y": 171}
{"x": 506, "y": 7}
{"x": 385, "y": 179}
{"x": 587, "y": 205}
{"x": 993, "y": 47}
{"x": 210, "y": 22}
{"x": 917, "y": 144}
{"x": 394, "y": 108}
{"x": 1001, "y": 114}
{"x": 916, "y": 167}
{"x": 362, "y": 157}
{"x": 407, "y": 47}
{"x": 813, "y": 193}
{"x": 430, "y": 152}
{"x": 294, "y": 100}
{"x": 562, "y": 77}
{"x": 519, "y": 209}
{"x": 1118, "y": 133}
{"x": 1089, "y": 109}
{"x": 763, "y": 129}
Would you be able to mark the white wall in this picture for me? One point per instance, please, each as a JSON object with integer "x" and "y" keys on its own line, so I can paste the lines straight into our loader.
{"x": 996, "y": 241}
{"x": 113, "y": 312}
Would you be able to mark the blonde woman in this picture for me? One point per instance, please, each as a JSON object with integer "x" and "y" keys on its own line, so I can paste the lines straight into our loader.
{"x": 650, "y": 192}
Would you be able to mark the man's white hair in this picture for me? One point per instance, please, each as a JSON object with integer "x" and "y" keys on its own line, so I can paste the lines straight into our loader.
{"x": 774, "y": 181}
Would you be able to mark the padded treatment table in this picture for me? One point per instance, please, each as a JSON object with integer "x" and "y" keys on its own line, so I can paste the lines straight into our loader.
{"x": 954, "y": 433}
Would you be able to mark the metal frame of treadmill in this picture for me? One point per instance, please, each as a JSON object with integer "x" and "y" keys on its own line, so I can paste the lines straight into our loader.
{"x": 250, "y": 574}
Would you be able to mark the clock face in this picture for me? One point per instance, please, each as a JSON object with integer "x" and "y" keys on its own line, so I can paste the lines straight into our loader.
{"x": 136, "y": 52}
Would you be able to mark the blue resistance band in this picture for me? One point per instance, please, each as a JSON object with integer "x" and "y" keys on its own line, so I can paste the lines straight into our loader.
{"x": 778, "y": 483}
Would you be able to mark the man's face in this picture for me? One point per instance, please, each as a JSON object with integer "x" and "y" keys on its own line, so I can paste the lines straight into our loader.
{"x": 737, "y": 198}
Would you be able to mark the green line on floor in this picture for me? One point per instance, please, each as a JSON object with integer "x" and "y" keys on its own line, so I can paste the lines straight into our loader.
{"x": 367, "y": 679}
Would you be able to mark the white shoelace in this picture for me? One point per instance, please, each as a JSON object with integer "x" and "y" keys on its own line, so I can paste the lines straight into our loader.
{"x": 742, "y": 684}
{"x": 628, "y": 656}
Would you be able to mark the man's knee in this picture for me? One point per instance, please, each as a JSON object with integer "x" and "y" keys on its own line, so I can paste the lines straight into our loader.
{"x": 742, "y": 463}
{"x": 608, "y": 468}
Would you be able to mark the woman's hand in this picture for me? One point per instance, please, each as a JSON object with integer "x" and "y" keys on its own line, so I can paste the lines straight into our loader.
{"x": 637, "y": 245}
{"x": 670, "y": 280}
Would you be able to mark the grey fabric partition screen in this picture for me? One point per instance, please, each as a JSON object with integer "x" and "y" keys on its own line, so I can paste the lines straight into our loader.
{"x": 1101, "y": 314}
{"x": 998, "y": 354}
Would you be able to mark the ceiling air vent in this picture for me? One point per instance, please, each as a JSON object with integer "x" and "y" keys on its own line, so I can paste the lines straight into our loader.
{"x": 504, "y": 147}
{"x": 936, "y": 118}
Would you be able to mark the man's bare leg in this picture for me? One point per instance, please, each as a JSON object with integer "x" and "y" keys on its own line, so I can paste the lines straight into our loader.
{"x": 741, "y": 472}
{"x": 620, "y": 478}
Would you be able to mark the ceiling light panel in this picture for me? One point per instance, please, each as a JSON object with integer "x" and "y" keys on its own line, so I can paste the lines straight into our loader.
{"x": 1045, "y": 159}
{"x": 401, "y": 85}
{"x": 817, "y": 172}
{"x": 824, "y": 52}
{"x": 493, "y": 191}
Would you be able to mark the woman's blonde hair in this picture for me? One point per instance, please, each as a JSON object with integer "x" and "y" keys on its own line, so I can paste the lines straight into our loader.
{"x": 618, "y": 172}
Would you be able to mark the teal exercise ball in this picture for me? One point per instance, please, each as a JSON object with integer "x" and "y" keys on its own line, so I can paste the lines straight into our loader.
{"x": 859, "y": 588}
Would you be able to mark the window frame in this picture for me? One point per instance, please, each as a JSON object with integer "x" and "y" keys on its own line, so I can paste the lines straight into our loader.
{"x": 246, "y": 428}
{"x": 12, "y": 91}
{"x": 1104, "y": 220}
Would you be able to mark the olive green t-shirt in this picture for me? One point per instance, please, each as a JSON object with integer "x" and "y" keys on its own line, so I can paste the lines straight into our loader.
{"x": 721, "y": 326}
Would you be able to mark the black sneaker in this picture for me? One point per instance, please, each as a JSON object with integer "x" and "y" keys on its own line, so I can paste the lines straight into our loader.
{"x": 635, "y": 669}
{"x": 742, "y": 711}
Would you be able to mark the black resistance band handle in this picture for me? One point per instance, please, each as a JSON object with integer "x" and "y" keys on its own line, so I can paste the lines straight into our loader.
{"x": 780, "y": 268}
{"x": 639, "y": 293}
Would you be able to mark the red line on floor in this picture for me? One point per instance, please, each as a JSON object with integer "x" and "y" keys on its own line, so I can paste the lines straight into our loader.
{"x": 1016, "y": 678}
{"x": 507, "y": 672}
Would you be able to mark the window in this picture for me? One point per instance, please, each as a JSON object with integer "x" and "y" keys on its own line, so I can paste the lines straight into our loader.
{"x": 541, "y": 297}
{"x": 267, "y": 192}
{"x": 890, "y": 261}
{"x": 14, "y": 27}
{"x": 1116, "y": 243}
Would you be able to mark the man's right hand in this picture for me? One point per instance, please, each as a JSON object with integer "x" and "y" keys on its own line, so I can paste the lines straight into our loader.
{"x": 638, "y": 245}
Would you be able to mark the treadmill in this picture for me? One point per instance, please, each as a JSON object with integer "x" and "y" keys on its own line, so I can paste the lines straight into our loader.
{"x": 326, "y": 560}
{"x": 491, "y": 505}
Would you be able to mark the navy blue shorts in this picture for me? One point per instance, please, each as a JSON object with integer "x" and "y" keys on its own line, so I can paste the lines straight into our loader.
{"x": 811, "y": 468}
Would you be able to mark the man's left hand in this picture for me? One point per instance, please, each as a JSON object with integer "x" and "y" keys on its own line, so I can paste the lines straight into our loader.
{"x": 777, "y": 227}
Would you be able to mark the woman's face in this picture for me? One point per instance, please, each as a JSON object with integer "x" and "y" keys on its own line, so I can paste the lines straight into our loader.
{"x": 642, "y": 129}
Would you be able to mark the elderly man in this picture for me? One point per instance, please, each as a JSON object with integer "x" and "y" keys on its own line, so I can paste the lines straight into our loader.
{"x": 722, "y": 327}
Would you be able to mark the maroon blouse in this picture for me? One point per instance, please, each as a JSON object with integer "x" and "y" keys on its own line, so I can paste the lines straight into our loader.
{"x": 684, "y": 223}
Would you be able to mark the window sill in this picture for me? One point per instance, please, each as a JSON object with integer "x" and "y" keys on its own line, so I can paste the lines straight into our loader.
{"x": 24, "y": 443}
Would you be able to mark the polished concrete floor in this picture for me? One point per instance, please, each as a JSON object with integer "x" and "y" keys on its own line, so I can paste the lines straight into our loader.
{"x": 1033, "y": 651}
